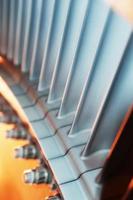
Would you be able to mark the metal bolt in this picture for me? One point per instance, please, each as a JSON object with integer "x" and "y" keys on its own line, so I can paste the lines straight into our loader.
{"x": 6, "y": 108}
{"x": 17, "y": 133}
{"x": 2, "y": 102}
{"x": 38, "y": 175}
{"x": 9, "y": 117}
{"x": 27, "y": 151}
{"x": 53, "y": 198}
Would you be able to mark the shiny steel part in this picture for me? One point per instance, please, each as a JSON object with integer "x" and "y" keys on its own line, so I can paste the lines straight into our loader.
{"x": 37, "y": 176}
{"x": 53, "y": 198}
{"x": 18, "y": 132}
{"x": 27, "y": 151}
{"x": 6, "y": 108}
{"x": 2, "y": 101}
{"x": 9, "y": 117}
{"x": 80, "y": 55}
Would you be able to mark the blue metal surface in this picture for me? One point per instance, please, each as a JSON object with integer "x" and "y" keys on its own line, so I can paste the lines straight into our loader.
{"x": 78, "y": 59}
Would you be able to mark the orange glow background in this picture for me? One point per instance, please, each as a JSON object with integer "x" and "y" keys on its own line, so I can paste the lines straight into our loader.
{"x": 12, "y": 185}
{"x": 11, "y": 180}
{"x": 124, "y": 7}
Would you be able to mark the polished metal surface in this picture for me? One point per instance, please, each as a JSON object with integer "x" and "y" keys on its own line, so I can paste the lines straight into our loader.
{"x": 70, "y": 66}
{"x": 37, "y": 176}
